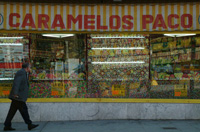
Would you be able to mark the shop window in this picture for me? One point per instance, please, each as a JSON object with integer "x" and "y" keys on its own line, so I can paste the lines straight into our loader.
{"x": 175, "y": 64}
{"x": 14, "y": 49}
{"x": 58, "y": 65}
{"x": 118, "y": 65}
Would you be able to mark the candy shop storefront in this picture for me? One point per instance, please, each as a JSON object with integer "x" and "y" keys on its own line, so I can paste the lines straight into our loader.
{"x": 98, "y": 56}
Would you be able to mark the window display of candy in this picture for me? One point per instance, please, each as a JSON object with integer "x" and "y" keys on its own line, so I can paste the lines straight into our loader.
{"x": 116, "y": 58}
{"x": 175, "y": 58}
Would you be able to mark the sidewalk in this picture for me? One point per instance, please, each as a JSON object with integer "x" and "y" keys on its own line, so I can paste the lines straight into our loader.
{"x": 113, "y": 126}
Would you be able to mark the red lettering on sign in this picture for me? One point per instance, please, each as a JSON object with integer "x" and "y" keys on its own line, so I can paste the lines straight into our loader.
{"x": 159, "y": 22}
{"x": 43, "y": 19}
{"x": 127, "y": 20}
{"x": 88, "y": 20}
{"x": 71, "y": 19}
{"x": 170, "y": 18}
{"x": 11, "y": 16}
{"x": 183, "y": 20}
{"x": 58, "y": 22}
{"x": 99, "y": 26}
{"x": 118, "y": 22}
{"x": 28, "y": 21}
{"x": 146, "y": 19}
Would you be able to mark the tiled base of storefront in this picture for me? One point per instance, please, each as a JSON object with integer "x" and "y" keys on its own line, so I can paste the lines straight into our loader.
{"x": 98, "y": 111}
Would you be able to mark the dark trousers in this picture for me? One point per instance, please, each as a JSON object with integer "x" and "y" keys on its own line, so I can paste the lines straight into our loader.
{"x": 21, "y": 106}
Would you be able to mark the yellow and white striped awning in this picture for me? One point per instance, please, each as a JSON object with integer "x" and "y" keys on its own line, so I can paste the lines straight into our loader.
{"x": 100, "y": 18}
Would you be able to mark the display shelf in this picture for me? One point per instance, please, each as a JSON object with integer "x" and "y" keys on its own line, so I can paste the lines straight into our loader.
{"x": 57, "y": 79}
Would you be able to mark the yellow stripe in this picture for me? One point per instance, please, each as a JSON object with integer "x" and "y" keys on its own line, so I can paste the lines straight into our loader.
{"x": 84, "y": 32}
{"x": 106, "y": 100}
{"x": 55, "y": 12}
{"x": 67, "y": 12}
{"x": 43, "y": 12}
{"x": 160, "y": 12}
{"x": 11, "y": 11}
{"x": 80, "y": 12}
{"x": 185, "y": 12}
{"x": 30, "y": 11}
{"x": 166, "y": 15}
{"x": 49, "y": 14}
{"x": 98, "y": 13}
{"x": 74, "y": 14}
{"x": 18, "y": 11}
{"x": 110, "y": 13}
{"x": 104, "y": 16}
{"x": 129, "y": 13}
{"x": 197, "y": 15}
{"x": 5, "y": 13}
{"x": 61, "y": 13}
{"x": 147, "y": 13}
{"x": 122, "y": 14}
{"x": 153, "y": 14}
{"x": 24, "y": 13}
{"x": 141, "y": 14}
{"x": 135, "y": 18}
{"x": 36, "y": 16}
{"x": 191, "y": 12}
{"x": 179, "y": 13}
{"x": 117, "y": 13}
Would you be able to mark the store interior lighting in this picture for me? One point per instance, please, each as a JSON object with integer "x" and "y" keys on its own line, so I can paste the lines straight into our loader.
{"x": 120, "y": 37}
{"x": 6, "y": 78}
{"x": 122, "y": 48}
{"x": 178, "y": 35}
{"x": 130, "y": 62}
{"x": 12, "y": 44}
{"x": 58, "y": 35}
{"x": 11, "y": 37}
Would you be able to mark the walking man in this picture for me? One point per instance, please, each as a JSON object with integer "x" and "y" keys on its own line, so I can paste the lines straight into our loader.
{"x": 19, "y": 95}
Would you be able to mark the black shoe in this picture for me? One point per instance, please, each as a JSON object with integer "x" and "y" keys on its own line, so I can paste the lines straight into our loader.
{"x": 8, "y": 128}
{"x": 32, "y": 126}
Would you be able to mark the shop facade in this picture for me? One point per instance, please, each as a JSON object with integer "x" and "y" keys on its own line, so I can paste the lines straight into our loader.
{"x": 98, "y": 61}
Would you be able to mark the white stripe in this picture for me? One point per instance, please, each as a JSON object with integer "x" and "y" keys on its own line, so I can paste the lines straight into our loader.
{"x": 101, "y": 14}
{"x": 83, "y": 13}
{"x": 114, "y": 13}
{"x": 27, "y": 11}
{"x": 52, "y": 16}
{"x": 132, "y": 14}
{"x": 188, "y": 12}
{"x": 2, "y": 13}
{"x": 107, "y": 16}
{"x": 163, "y": 14}
{"x": 33, "y": 13}
{"x": 169, "y": 12}
{"x": 126, "y": 13}
{"x": 7, "y": 19}
{"x": 14, "y": 11}
{"x": 181, "y": 13}
{"x": 21, "y": 16}
{"x": 120, "y": 14}
{"x": 58, "y": 12}
{"x": 65, "y": 16}
{"x": 194, "y": 17}
{"x": 46, "y": 12}
{"x": 89, "y": 13}
{"x": 76, "y": 14}
{"x": 175, "y": 12}
{"x": 144, "y": 13}
{"x": 39, "y": 12}
{"x": 150, "y": 13}
{"x": 70, "y": 12}
{"x": 156, "y": 12}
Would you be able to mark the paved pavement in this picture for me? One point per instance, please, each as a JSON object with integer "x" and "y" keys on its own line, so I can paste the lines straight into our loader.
{"x": 113, "y": 126}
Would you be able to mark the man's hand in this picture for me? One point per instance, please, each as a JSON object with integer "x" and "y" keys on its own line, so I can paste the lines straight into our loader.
{"x": 16, "y": 96}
